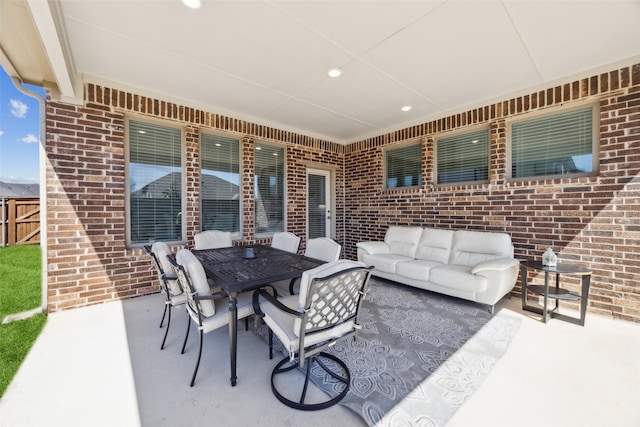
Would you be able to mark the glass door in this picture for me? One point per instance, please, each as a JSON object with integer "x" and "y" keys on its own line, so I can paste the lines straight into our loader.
{"x": 318, "y": 203}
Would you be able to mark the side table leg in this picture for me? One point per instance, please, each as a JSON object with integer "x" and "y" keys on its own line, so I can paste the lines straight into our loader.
{"x": 546, "y": 297}
{"x": 584, "y": 297}
{"x": 523, "y": 283}
{"x": 557, "y": 305}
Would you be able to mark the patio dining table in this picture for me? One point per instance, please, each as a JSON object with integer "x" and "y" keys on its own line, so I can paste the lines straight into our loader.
{"x": 229, "y": 269}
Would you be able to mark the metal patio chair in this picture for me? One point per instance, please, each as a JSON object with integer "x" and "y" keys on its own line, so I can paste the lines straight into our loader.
{"x": 213, "y": 239}
{"x": 208, "y": 311}
{"x": 168, "y": 282}
{"x": 325, "y": 311}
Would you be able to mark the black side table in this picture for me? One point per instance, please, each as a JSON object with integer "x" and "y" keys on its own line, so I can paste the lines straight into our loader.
{"x": 556, "y": 292}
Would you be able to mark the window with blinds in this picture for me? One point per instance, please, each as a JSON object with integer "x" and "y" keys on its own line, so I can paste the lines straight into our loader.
{"x": 560, "y": 144}
{"x": 155, "y": 183}
{"x": 403, "y": 166}
{"x": 220, "y": 186}
{"x": 269, "y": 189}
{"x": 463, "y": 158}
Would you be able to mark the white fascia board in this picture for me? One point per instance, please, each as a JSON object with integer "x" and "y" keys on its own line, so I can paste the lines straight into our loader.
{"x": 57, "y": 51}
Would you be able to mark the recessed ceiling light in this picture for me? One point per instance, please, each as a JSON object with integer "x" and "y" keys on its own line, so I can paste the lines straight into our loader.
{"x": 475, "y": 141}
{"x": 193, "y": 4}
{"x": 406, "y": 108}
{"x": 334, "y": 72}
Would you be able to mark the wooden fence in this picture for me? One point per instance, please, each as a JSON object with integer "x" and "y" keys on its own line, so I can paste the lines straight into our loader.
{"x": 20, "y": 221}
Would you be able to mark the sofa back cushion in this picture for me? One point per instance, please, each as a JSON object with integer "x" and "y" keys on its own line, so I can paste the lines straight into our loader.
{"x": 473, "y": 247}
{"x": 403, "y": 240}
{"x": 435, "y": 245}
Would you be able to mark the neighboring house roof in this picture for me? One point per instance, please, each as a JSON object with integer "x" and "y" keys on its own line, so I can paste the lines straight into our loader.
{"x": 10, "y": 189}
{"x": 213, "y": 188}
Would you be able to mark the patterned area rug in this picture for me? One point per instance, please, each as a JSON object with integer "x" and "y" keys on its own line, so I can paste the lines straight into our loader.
{"x": 419, "y": 355}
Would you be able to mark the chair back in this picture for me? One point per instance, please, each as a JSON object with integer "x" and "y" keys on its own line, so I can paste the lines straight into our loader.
{"x": 330, "y": 297}
{"x": 286, "y": 241}
{"x": 323, "y": 248}
{"x": 159, "y": 251}
{"x": 193, "y": 279}
{"x": 213, "y": 239}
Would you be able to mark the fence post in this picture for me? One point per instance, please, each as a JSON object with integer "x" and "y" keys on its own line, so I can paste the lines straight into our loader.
{"x": 4, "y": 226}
{"x": 12, "y": 222}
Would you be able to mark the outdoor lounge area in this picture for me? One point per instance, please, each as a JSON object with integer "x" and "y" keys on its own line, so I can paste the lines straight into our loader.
{"x": 102, "y": 366}
{"x": 513, "y": 124}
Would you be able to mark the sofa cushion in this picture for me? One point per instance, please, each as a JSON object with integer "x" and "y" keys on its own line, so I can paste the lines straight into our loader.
{"x": 472, "y": 247}
{"x": 384, "y": 262}
{"x": 373, "y": 247}
{"x": 435, "y": 245}
{"x": 457, "y": 277}
{"x": 416, "y": 269}
{"x": 403, "y": 240}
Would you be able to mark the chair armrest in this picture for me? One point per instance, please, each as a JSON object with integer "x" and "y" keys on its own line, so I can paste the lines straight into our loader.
{"x": 495, "y": 265}
{"x": 167, "y": 276}
{"x": 274, "y": 301}
{"x": 372, "y": 248}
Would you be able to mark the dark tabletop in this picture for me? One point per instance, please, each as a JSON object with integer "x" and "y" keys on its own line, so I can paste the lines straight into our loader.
{"x": 228, "y": 268}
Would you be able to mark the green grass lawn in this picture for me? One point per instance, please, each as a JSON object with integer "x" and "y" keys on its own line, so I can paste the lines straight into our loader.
{"x": 20, "y": 290}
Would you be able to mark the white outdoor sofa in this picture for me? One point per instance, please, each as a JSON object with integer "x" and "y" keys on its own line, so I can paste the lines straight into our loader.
{"x": 474, "y": 265}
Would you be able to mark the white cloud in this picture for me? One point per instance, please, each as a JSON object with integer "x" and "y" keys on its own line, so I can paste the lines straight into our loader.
{"x": 29, "y": 139}
{"x": 1, "y": 132}
{"x": 18, "y": 108}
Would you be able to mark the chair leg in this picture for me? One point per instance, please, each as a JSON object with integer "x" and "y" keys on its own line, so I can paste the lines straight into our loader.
{"x": 270, "y": 344}
{"x": 164, "y": 313}
{"x": 285, "y": 365}
{"x": 186, "y": 337}
{"x": 195, "y": 371}
{"x": 306, "y": 381}
{"x": 291, "y": 284}
{"x": 166, "y": 331}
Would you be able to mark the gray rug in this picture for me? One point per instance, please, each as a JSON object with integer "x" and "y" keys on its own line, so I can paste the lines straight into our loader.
{"x": 419, "y": 355}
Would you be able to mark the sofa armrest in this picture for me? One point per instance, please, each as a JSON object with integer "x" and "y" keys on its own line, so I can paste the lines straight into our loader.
{"x": 495, "y": 265}
{"x": 372, "y": 248}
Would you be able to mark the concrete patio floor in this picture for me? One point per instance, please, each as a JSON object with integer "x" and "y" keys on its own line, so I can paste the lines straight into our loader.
{"x": 102, "y": 366}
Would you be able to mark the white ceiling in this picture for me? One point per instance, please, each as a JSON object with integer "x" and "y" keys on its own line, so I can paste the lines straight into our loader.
{"x": 267, "y": 61}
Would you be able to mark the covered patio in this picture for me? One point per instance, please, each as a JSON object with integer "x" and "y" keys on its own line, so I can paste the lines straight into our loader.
{"x": 102, "y": 366}
{"x": 460, "y": 66}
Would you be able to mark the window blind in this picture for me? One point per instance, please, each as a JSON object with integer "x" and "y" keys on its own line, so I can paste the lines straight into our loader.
{"x": 220, "y": 187}
{"x": 558, "y": 144}
{"x": 155, "y": 183}
{"x": 269, "y": 189}
{"x": 317, "y": 213}
{"x": 403, "y": 166}
{"x": 463, "y": 158}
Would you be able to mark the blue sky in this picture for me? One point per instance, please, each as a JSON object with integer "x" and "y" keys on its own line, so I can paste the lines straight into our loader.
{"x": 19, "y": 133}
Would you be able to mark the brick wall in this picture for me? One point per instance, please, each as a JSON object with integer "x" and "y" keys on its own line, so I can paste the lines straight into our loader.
{"x": 88, "y": 261}
{"x": 591, "y": 221}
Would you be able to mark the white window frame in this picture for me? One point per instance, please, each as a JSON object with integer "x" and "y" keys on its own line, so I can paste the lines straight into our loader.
{"x": 203, "y": 223}
{"x": 457, "y": 134}
{"x": 257, "y": 213}
{"x": 402, "y": 146}
{"x": 127, "y": 155}
{"x": 595, "y": 142}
